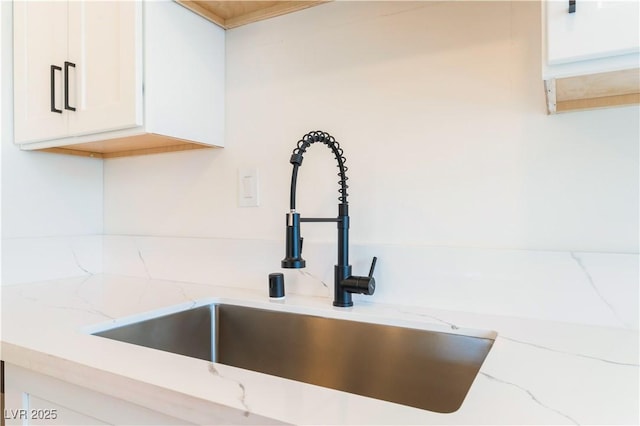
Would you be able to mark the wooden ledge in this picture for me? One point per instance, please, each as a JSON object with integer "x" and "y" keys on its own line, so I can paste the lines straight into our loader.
{"x": 149, "y": 143}
{"x": 602, "y": 90}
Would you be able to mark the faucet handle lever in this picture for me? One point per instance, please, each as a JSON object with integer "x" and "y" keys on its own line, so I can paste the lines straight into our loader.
{"x": 361, "y": 285}
{"x": 373, "y": 266}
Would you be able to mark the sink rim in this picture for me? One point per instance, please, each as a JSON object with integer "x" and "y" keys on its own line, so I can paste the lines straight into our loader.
{"x": 235, "y": 356}
{"x": 346, "y": 314}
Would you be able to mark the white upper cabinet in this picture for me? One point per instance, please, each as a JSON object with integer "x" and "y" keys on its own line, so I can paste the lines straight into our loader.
{"x": 75, "y": 68}
{"x": 113, "y": 78}
{"x": 104, "y": 46}
{"x": 591, "y": 55}
{"x": 596, "y": 29}
{"x": 40, "y": 49}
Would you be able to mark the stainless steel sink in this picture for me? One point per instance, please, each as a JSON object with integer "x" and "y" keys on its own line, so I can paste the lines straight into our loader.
{"x": 420, "y": 368}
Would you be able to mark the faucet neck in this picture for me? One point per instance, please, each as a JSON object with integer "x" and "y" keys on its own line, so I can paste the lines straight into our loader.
{"x": 297, "y": 157}
{"x": 343, "y": 235}
{"x": 345, "y": 282}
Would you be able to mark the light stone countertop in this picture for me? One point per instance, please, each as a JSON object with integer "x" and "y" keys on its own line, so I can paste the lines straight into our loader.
{"x": 538, "y": 372}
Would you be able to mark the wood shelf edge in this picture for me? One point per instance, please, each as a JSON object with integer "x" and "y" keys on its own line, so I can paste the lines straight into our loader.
{"x": 205, "y": 13}
{"x": 68, "y": 151}
{"x": 594, "y": 103}
{"x": 158, "y": 150}
{"x": 239, "y": 17}
{"x": 271, "y": 12}
{"x": 591, "y": 91}
{"x": 144, "y": 144}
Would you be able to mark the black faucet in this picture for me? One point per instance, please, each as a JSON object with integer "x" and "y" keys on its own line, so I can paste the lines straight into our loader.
{"x": 345, "y": 284}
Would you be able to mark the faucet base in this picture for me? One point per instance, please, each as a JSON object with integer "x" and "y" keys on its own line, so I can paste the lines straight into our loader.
{"x": 342, "y": 304}
{"x": 341, "y": 297}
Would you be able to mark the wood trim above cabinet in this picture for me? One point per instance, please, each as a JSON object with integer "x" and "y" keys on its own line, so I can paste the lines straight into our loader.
{"x": 231, "y": 14}
{"x": 148, "y": 143}
{"x": 592, "y": 91}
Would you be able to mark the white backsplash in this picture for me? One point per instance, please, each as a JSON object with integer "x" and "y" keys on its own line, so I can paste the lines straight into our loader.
{"x": 26, "y": 260}
{"x": 576, "y": 287}
{"x": 587, "y": 288}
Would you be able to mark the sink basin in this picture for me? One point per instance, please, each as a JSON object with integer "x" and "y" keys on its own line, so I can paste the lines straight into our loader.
{"x": 419, "y": 368}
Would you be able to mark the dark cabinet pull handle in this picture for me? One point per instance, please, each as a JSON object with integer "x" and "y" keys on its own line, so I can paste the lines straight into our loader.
{"x": 54, "y": 68}
{"x": 572, "y": 6}
{"x": 66, "y": 85}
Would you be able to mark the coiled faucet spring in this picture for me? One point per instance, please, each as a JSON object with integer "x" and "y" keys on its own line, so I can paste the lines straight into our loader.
{"x": 297, "y": 156}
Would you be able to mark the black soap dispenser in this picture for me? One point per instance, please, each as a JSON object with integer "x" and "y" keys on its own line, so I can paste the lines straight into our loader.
{"x": 276, "y": 286}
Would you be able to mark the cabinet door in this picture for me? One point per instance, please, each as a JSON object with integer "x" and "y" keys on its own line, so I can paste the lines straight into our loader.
{"x": 40, "y": 42}
{"x": 35, "y": 399}
{"x": 105, "y": 45}
{"x": 595, "y": 30}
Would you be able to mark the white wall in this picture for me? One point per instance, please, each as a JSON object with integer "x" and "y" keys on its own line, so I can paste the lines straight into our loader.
{"x": 50, "y": 203}
{"x": 440, "y": 109}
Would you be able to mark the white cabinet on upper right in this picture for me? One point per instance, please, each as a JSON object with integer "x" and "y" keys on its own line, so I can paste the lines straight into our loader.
{"x": 591, "y": 53}
{"x": 595, "y": 29}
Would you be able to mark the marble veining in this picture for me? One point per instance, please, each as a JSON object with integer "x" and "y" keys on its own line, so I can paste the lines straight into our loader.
{"x": 530, "y": 394}
{"x": 87, "y": 310}
{"x": 593, "y": 285}
{"x": 566, "y": 368}
{"x": 546, "y": 348}
{"x": 144, "y": 263}
{"x": 313, "y": 277}
{"x": 75, "y": 258}
{"x": 91, "y": 308}
{"x": 183, "y": 293}
{"x": 37, "y": 259}
{"x": 584, "y": 288}
{"x": 450, "y": 324}
{"x": 511, "y": 339}
{"x": 23, "y": 295}
{"x": 87, "y": 306}
{"x": 143, "y": 292}
{"x": 243, "y": 392}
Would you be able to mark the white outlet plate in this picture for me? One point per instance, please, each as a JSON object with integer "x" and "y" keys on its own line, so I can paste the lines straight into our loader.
{"x": 248, "y": 194}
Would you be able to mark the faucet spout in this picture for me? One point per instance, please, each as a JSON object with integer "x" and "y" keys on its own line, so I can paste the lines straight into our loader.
{"x": 345, "y": 283}
{"x": 293, "y": 257}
